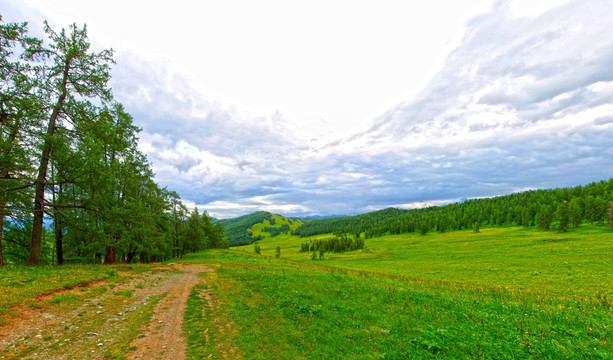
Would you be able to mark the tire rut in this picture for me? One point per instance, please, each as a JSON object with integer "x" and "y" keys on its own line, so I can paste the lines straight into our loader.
{"x": 163, "y": 338}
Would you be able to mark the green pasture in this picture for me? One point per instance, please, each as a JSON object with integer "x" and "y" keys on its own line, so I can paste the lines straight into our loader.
{"x": 271, "y": 308}
{"x": 577, "y": 263}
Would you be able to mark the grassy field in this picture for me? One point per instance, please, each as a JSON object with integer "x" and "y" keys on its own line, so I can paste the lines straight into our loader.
{"x": 577, "y": 263}
{"x": 503, "y": 293}
{"x": 24, "y": 285}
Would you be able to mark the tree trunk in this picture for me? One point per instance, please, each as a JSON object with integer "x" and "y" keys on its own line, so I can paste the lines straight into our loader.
{"x": 142, "y": 258}
{"x": 2, "y": 204}
{"x": 59, "y": 236}
{"x": 152, "y": 258}
{"x": 59, "y": 230}
{"x": 4, "y": 174}
{"x": 39, "y": 195}
{"x": 111, "y": 255}
{"x": 182, "y": 252}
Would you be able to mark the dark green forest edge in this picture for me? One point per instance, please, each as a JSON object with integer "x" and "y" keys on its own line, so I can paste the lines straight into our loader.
{"x": 553, "y": 209}
{"x": 68, "y": 150}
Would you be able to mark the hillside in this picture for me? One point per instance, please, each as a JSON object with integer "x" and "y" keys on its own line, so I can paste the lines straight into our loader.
{"x": 236, "y": 229}
{"x": 274, "y": 226}
{"x": 563, "y": 209}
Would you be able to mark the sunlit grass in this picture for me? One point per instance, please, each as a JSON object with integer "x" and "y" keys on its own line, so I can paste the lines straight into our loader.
{"x": 285, "y": 309}
{"x": 576, "y": 263}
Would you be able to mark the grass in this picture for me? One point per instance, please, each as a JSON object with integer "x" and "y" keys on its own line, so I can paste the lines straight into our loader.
{"x": 514, "y": 258}
{"x": 503, "y": 293}
{"x": 107, "y": 321}
{"x": 21, "y": 284}
{"x": 258, "y": 229}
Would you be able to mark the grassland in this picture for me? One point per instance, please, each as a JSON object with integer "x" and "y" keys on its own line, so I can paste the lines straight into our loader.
{"x": 503, "y": 293}
{"x": 22, "y": 285}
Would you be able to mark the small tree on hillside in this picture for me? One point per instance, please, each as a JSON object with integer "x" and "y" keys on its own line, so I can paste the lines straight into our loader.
{"x": 278, "y": 252}
{"x": 476, "y": 229}
{"x": 610, "y": 214}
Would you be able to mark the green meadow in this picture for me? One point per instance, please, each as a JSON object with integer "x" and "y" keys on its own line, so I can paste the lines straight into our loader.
{"x": 502, "y": 293}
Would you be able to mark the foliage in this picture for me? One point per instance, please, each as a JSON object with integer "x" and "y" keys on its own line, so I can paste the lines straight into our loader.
{"x": 69, "y": 153}
{"x": 236, "y": 229}
{"x": 587, "y": 203}
{"x": 334, "y": 244}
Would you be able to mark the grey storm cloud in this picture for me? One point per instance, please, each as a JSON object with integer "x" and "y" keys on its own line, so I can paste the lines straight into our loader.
{"x": 521, "y": 103}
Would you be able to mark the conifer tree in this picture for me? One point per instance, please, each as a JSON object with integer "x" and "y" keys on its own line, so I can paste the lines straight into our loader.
{"x": 73, "y": 75}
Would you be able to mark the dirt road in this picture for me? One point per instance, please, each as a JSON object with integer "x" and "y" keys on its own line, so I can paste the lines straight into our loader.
{"x": 140, "y": 318}
{"x": 164, "y": 336}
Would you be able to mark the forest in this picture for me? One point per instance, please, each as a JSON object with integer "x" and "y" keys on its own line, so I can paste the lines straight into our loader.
{"x": 74, "y": 187}
{"x": 562, "y": 209}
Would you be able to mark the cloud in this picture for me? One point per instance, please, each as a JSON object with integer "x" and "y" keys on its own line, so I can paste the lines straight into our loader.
{"x": 603, "y": 120}
{"x": 523, "y": 102}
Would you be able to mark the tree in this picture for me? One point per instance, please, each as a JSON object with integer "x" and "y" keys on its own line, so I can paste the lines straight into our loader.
{"x": 278, "y": 252}
{"x": 423, "y": 228}
{"x": 575, "y": 212}
{"x": 18, "y": 116}
{"x": 610, "y": 214}
{"x": 562, "y": 216}
{"x": 544, "y": 217}
{"x": 74, "y": 74}
{"x": 476, "y": 228}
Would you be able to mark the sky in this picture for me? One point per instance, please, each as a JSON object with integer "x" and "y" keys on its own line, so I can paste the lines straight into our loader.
{"x": 342, "y": 107}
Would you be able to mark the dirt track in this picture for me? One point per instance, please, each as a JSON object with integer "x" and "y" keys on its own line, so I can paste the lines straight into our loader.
{"x": 98, "y": 325}
{"x": 164, "y": 336}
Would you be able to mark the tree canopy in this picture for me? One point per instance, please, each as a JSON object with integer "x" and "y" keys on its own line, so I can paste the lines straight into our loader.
{"x": 69, "y": 153}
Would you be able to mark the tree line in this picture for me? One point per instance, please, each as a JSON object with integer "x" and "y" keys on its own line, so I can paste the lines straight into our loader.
{"x": 68, "y": 153}
{"x": 560, "y": 209}
{"x": 335, "y": 244}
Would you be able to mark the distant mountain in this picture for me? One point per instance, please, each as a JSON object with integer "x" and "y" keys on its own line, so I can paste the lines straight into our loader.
{"x": 317, "y": 217}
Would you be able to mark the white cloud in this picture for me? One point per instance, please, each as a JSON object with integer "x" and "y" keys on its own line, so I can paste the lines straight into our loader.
{"x": 375, "y": 106}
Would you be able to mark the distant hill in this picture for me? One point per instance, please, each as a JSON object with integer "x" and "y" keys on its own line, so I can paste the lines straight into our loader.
{"x": 235, "y": 229}
{"x": 273, "y": 227}
{"x": 246, "y": 229}
{"x": 563, "y": 209}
